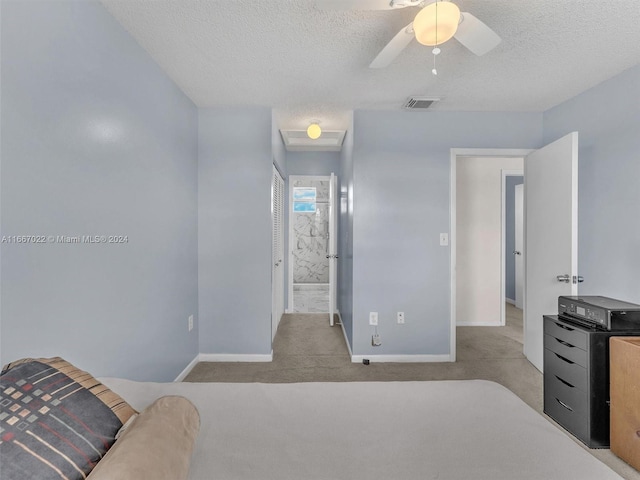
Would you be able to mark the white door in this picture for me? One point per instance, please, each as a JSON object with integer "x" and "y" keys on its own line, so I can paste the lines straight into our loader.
{"x": 277, "y": 256}
{"x": 333, "y": 245}
{"x": 519, "y": 244}
{"x": 551, "y": 235}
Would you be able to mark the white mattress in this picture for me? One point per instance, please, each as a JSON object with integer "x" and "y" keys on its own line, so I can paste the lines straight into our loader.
{"x": 386, "y": 430}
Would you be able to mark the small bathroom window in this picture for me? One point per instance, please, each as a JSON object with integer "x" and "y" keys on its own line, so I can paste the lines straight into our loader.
{"x": 304, "y": 199}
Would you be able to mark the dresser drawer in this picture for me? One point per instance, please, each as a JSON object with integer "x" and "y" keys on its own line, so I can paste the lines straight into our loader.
{"x": 567, "y": 370}
{"x": 566, "y": 350}
{"x": 566, "y": 333}
{"x": 576, "y": 399}
{"x": 575, "y": 422}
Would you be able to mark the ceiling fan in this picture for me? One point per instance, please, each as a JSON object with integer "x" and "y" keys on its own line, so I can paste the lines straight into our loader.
{"x": 435, "y": 23}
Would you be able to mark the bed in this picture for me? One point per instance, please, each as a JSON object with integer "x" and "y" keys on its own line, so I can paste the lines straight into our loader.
{"x": 379, "y": 430}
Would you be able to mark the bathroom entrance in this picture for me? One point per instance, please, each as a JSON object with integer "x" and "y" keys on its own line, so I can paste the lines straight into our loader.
{"x": 312, "y": 244}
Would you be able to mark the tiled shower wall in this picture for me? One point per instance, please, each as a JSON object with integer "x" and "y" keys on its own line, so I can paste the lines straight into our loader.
{"x": 311, "y": 237}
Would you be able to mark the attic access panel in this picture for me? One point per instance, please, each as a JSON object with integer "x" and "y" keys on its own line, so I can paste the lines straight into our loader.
{"x": 298, "y": 141}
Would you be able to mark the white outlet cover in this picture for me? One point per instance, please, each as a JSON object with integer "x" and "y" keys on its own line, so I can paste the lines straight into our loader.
{"x": 373, "y": 318}
{"x": 444, "y": 239}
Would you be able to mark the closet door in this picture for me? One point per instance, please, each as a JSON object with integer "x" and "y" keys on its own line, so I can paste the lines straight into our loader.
{"x": 277, "y": 255}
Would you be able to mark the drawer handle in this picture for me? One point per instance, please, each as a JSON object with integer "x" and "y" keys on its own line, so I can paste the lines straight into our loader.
{"x": 564, "y": 359}
{"x": 564, "y": 326}
{"x": 565, "y": 382}
{"x": 564, "y": 405}
{"x": 564, "y": 343}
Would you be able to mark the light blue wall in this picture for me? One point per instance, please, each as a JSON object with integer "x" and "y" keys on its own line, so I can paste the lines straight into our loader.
{"x": 345, "y": 240}
{"x": 607, "y": 118}
{"x": 234, "y": 230}
{"x": 510, "y": 235}
{"x": 401, "y": 165}
{"x": 96, "y": 140}
{"x": 313, "y": 163}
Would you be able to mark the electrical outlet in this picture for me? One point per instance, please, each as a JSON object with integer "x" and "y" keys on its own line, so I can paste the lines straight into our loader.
{"x": 190, "y": 322}
{"x": 373, "y": 318}
{"x": 375, "y": 340}
{"x": 400, "y": 318}
{"x": 444, "y": 239}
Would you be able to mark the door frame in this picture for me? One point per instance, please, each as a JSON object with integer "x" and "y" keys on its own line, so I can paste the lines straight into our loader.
{"x": 503, "y": 238}
{"x": 519, "y": 233}
{"x": 454, "y": 154}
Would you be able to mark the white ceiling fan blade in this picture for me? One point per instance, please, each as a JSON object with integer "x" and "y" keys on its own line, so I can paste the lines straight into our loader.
{"x": 475, "y": 35}
{"x": 365, "y": 4}
{"x": 394, "y": 47}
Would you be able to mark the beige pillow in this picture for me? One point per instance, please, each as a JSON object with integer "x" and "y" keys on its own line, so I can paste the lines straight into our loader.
{"x": 156, "y": 446}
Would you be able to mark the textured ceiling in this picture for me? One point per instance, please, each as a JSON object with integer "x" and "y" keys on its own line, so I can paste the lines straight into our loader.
{"x": 309, "y": 61}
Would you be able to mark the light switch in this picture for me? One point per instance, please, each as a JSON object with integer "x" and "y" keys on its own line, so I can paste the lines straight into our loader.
{"x": 444, "y": 239}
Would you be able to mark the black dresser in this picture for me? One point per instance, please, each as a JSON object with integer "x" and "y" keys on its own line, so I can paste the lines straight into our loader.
{"x": 576, "y": 378}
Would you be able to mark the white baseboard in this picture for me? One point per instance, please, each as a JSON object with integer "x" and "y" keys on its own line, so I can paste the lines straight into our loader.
{"x": 508, "y": 300}
{"x": 402, "y": 358}
{"x": 479, "y": 324}
{"x": 187, "y": 369}
{"x": 222, "y": 357}
{"x": 235, "y": 357}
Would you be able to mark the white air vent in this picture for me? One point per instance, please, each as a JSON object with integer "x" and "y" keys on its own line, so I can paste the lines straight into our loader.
{"x": 298, "y": 141}
{"x": 420, "y": 103}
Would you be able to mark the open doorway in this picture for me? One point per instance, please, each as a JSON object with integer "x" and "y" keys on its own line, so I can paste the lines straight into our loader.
{"x": 513, "y": 253}
{"x": 313, "y": 244}
{"x": 479, "y": 233}
{"x": 551, "y": 205}
{"x": 309, "y": 244}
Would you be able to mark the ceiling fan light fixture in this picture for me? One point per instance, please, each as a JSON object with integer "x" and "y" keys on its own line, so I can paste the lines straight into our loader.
{"x": 436, "y": 23}
{"x": 314, "y": 131}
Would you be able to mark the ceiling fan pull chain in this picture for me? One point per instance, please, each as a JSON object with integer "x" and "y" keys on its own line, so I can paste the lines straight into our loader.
{"x": 435, "y": 50}
{"x": 434, "y": 71}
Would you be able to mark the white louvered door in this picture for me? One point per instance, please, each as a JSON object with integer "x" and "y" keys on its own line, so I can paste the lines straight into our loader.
{"x": 277, "y": 265}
